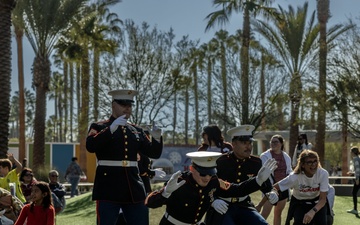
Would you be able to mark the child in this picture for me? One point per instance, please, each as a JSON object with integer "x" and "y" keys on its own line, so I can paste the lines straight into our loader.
{"x": 40, "y": 211}
{"x": 9, "y": 175}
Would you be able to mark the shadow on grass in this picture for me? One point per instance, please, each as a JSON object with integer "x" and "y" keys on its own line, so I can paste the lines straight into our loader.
{"x": 80, "y": 205}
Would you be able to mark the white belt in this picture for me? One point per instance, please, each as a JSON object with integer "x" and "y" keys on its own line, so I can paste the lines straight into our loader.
{"x": 232, "y": 200}
{"x": 174, "y": 221}
{"x": 121, "y": 163}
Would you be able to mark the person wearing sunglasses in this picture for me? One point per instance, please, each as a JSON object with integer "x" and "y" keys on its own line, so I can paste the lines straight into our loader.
{"x": 58, "y": 190}
{"x": 188, "y": 195}
{"x": 27, "y": 181}
{"x": 116, "y": 142}
{"x": 236, "y": 167}
{"x": 302, "y": 143}
{"x": 310, "y": 184}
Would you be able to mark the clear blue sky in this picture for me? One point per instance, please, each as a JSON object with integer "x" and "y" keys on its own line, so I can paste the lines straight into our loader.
{"x": 186, "y": 17}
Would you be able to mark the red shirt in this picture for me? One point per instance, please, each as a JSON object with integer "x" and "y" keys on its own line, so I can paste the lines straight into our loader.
{"x": 39, "y": 216}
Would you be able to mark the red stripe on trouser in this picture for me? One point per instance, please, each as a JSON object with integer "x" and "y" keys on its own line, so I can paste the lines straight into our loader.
{"x": 97, "y": 212}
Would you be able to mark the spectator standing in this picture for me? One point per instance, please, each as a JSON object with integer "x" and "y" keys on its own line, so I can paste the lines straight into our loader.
{"x": 116, "y": 144}
{"x": 27, "y": 181}
{"x": 301, "y": 145}
{"x": 40, "y": 211}
{"x": 277, "y": 152}
{"x": 310, "y": 184}
{"x": 72, "y": 174}
{"x": 356, "y": 164}
{"x": 238, "y": 166}
{"x": 213, "y": 140}
{"x": 188, "y": 195}
{"x": 10, "y": 177}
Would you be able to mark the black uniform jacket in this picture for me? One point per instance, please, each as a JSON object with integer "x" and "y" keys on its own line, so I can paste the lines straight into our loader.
{"x": 189, "y": 203}
{"x": 234, "y": 170}
{"x": 146, "y": 173}
{"x": 116, "y": 183}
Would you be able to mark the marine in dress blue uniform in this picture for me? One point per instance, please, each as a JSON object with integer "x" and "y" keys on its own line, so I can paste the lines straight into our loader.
{"x": 117, "y": 181}
{"x": 196, "y": 190}
{"x": 236, "y": 167}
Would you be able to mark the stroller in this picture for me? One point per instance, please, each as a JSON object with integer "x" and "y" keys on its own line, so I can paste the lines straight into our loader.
{"x": 10, "y": 207}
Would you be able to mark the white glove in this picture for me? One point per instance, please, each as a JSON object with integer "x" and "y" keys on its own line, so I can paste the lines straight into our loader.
{"x": 155, "y": 132}
{"x": 265, "y": 171}
{"x": 220, "y": 206}
{"x": 159, "y": 173}
{"x": 273, "y": 197}
{"x": 172, "y": 185}
{"x": 120, "y": 121}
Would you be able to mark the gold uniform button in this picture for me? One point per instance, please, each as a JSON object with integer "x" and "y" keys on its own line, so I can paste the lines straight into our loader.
{"x": 126, "y": 157}
{"x": 201, "y": 202}
{"x": 239, "y": 167}
{"x": 239, "y": 173}
{"x": 202, "y": 196}
{"x": 125, "y": 136}
{"x": 105, "y": 174}
{"x": 238, "y": 180}
{"x": 126, "y": 149}
{"x": 200, "y": 191}
{"x": 126, "y": 142}
{"x": 186, "y": 204}
{"x": 199, "y": 209}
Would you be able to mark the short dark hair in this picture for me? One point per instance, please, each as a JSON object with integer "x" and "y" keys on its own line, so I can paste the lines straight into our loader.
{"x": 74, "y": 159}
{"x": 6, "y": 163}
{"x": 355, "y": 150}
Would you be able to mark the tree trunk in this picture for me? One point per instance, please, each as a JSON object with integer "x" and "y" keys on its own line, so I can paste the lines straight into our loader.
{"x": 344, "y": 149}
{"x": 209, "y": 91}
{"x": 41, "y": 80}
{"x": 244, "y": 60}
{"x": 22, "y": 140}
{"x": 96, "y": 84}
{"x": 5, "y": 72}
{"x": 323, "y": 15}
{"x": 84, "y": 115}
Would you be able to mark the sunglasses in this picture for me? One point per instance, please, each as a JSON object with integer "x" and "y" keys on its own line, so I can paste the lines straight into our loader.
{"x": 54, "y": 176}
{"x": 28, "y": 175}
{"x": 123, "y": 103}
{"x": 203, "y": 174}
{"x": 310, "y": 163}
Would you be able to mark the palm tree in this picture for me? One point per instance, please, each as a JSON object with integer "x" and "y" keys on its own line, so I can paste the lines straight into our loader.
{"x": 19, "y": 33}
{"x": 323, "y": 17}
{"x": 295, "y": 43}
{"x": 220, "y": 42}
{"x": 45, "y": 20}
{"x": 297, "y": 46}
{"x": 6, "y": 6}
{"x": 222, "y": 17}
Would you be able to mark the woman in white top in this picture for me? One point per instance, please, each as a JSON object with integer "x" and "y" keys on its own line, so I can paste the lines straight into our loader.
{"x": 310, "y": 184}
{"x": 277, "y": 152}
{"x": 301, "y": 145}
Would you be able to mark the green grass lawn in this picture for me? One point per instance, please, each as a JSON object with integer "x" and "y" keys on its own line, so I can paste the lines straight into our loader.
{"x": 80, "y": 210}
